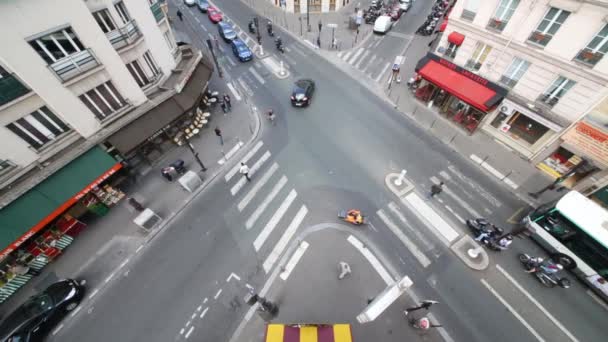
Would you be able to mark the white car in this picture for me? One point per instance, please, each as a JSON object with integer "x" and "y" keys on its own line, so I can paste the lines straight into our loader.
{"x": 190, "y": 2}
{"x": 405, "y": 5}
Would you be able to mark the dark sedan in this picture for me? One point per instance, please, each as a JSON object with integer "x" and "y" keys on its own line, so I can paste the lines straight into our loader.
{"x": 226, "y": 31}
{"x": 241, "y": 50}
{"x": 302, "y": 92}
{"x": 36, "y": 317}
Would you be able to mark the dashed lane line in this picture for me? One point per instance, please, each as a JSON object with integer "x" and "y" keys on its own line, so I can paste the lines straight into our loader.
{"x": 189, "y": 332}
{"x": 219, "y": 292}
{"x": 204, "y": 312}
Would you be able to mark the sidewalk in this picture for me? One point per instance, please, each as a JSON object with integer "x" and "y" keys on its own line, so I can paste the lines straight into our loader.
{"x": 109, "y": 240}
{"x": 296, "y": 23}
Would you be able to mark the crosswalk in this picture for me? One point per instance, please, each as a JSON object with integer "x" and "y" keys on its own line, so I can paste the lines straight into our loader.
{"x": 272, "y": 207}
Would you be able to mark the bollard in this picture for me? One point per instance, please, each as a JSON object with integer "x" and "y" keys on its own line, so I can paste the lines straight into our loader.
{"x": 282, "y": 70}
{"x": 399, "y": 180}
{"x": 474, "y": 252}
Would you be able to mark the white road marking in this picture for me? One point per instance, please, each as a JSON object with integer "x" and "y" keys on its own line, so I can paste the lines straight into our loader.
{"x": 219, "y": 292}
{"x": 439, "y": 200}
{"x": 372, "y": 260}
{"x": 204, "y": 28}
{"x": 233, "y": 91}
{"x": 189, "y": 322}
{"x": 441, "y": 228}
{"x": 109, "y": 277}
{"x": 445, "y": 175}
{"x": 200, "y": 307}
{"x": 193, "y": 316}
{"x": 458, "y": 217}
{"x": 346, "y": 55}
{"x": 248, "y": 156}
{"x": 411, "y": 246}
{"x": 197, "y": 20}
{"x": 395, "y": 209}
{"x": 239, "y": 185}
{"x": 340, "y": 54}
{"x": 289, "y": 232}
{"x": 260, "y": 209}
{"x": 290, "y": 60}
{"x": 230, "y": 153}
{"x": 483, "y": 192}
{"x": 181, "y": 332}
{"x": 256, "y": 75}
{"x": 75, "y": 311}
{"x": 293, "y": 261}
{"x": 139, "y": 249}
{"x": 257, "y": 186}
{"x": 355, "y": 56}
{"x": 189, "y": 332}
{"x": 123, "y": 263}
{"x": 93, "y": 293}
{"x": 512, "y": 310}
{"x": 458, "y": 199}
{"x": 229, "y": 59}
{"x": 377, "y": 79}
{"x": 232, "y": 275}
{"x": 204, "y": 312}
{"x": 274, "y": 220}
{"x": 249, "y": 286}
{"x": 205, "y": 300}
{"x": 370, "y": 63}
{"x": 358, "y": 65}
{"x": 56, "y": 330}
{"x": 440, "y": 330}
{"x": 538, "y": 305}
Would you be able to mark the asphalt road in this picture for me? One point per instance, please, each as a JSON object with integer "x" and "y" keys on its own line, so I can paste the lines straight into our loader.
{"x": 189, "y": 282}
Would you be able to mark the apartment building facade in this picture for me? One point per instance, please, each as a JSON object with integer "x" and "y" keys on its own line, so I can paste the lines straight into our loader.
{"x": 310, "y": 6}
{"x": 535, "y": 68}
{"x": 84, "y": 87}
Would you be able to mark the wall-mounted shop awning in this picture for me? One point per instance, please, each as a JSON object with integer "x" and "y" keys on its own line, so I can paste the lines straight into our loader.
{"x": 456, "y": 38}
{"x": 38, "y": 207}
{"x": 467, "y": 86}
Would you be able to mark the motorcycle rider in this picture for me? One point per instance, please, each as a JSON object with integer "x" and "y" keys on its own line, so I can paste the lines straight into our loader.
{"x": 251, "y": 26}
{"x": 548, "y": 267}
{"x": 354, "y": 216}
{"x": 504, "y": 242}
{"x": 278, "y": 42}
{"x": 269, "y": 27}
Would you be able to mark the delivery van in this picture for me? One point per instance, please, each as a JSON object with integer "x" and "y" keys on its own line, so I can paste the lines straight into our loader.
{"x": 383, "y": 24}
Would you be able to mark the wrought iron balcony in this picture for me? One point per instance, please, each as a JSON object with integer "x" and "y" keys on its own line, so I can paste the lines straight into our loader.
{"x": 124, "y": 36}
{"x": 11, "y": 88}
{"x": 74, "y": 64}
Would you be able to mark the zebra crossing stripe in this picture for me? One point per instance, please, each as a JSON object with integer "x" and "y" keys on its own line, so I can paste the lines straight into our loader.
{"x": 355, "y": 56}
{"x": 271, "y": 225}
{"x": 248, "y": 156}
{"x": 260, "y": 209}
{"x": 411, "y": 246}
{"x": 258, "y": 185}
{"x": 237, "y": 187}
{"x": 358, "y": 65}
{"x": 289, "y": 233}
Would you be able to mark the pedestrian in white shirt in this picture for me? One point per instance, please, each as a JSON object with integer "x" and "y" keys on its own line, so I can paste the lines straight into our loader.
{"x": 244, "y": 170}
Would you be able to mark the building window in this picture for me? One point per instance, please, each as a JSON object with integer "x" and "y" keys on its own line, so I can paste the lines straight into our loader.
{"x": 103, "y": 100}
{"x": 450, "y": 53}
{"x": 137, "y": 73}
{"x": 6, "y": 166}
{"x": 596, "y": 49}
{"x": 144, "y": 75}
{"x": 503, "y": 14}
{"x": 479, "y": 56}
{"x": 169, "y": 39}
{"x": 296, "y": 6}
{"x": 104, "y": 20}
{"x": 548, "y": 27}
{"x": 557, "y": 90}
{"x": 151, "y": 63}
{"x": 57, "y": 45}
{"x": 315, "y": 5}
{"x": 470, "y": 10}
{"x": 39, "y": 127}
{"x": 122, "y": 12}
{"x": 332, "y": 5}
{"x": 520, "y": 127}
{"x": 514, "y": 72}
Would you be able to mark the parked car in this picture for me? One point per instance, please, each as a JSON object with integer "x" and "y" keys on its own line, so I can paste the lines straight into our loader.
{"x": 383, "y": 24}
{"x": 190, "y": 3}
{"x": 226, "y": 31}
{"x": 405, "y": 5}
{"x": 241, "y": 50}
{"x": 35, "y": 318}
{"x": 302, "y": 92}
{"x": 214, "y": 14}
{"x": 203, "y": 5}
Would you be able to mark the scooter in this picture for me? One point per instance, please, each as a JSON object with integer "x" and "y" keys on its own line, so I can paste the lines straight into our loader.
{"x": 353, "y": 216}
{"x": 279, "y": 44}
{"x": 547, "y": 279}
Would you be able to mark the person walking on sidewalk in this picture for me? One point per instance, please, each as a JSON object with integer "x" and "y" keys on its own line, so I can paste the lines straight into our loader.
{"x": 218, "y": 132}
{"x": 227, "y": 101}
{"x": 426, "y": 304}
{"x": 244, "y": 170}
{"x": 180, "y": 15}
{"x": 436, "y": 189}
{"x": 271, "y": 116}
{"x": 224, "y": 107}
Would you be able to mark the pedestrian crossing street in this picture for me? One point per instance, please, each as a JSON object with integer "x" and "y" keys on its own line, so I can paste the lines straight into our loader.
{"x": 269, "y": 188}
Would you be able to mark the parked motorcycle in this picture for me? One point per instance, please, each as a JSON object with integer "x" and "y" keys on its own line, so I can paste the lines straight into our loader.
{"x": 539, "y": 265}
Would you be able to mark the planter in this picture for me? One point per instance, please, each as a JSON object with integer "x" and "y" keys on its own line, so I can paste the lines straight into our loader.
{"x": 539, "y": 37}
{"x": 587, "y": 55}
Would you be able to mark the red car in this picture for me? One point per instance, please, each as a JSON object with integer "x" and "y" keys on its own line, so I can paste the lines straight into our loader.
{"x": 396, "y": 13}
{"x": 214, "y": 15}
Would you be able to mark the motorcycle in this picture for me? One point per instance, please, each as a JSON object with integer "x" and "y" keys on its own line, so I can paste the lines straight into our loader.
{"x": 353, "y": 216}
{"x": 482, "y": 226}
{"x": 547, "y": 279}
{"x": 279, "y": 44}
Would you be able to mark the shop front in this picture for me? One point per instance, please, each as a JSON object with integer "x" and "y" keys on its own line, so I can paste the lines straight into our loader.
{"x": 460, "y": 95}
{"x": 171, "y": 123}
{"x": 521, "y": 128}
{"x": 39, "y": 225}
{"x": 582, "y": 154}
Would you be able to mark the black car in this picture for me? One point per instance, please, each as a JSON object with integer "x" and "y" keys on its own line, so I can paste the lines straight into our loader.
{"x": 36, "y": 317}
{"x": 226, "y": 31}
{"x": 302, "y": 92}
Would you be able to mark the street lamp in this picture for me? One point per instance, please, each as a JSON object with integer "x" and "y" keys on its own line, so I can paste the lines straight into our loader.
{"x": 308, "y": 15}
{"x": 198, "y": 160}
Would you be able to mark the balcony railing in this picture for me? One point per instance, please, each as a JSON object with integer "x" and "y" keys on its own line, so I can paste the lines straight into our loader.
{"x": 6, "y": 166}
{"x": 125, "y": 35}
{"x": 157, "y": 11}
{"x": 74, "y": 64}
{"x": 11, "y": 88}
{"x": 589, "y": 57}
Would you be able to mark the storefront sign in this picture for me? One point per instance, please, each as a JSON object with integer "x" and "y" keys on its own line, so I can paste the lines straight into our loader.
{"x": 464, "y": 72}
{"x": 589, "y": 140}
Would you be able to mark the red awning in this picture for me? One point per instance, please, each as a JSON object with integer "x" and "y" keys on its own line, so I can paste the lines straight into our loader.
{"x": 459, "y": 85}
{"x": 443, "y": 25}
{"x": 456, "y": 38}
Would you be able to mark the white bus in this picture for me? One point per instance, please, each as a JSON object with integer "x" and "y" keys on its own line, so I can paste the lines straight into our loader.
{"x": 577, "y": 227}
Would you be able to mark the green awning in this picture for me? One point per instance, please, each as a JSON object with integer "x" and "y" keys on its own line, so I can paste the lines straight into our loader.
{"x": 56, "y": 193}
